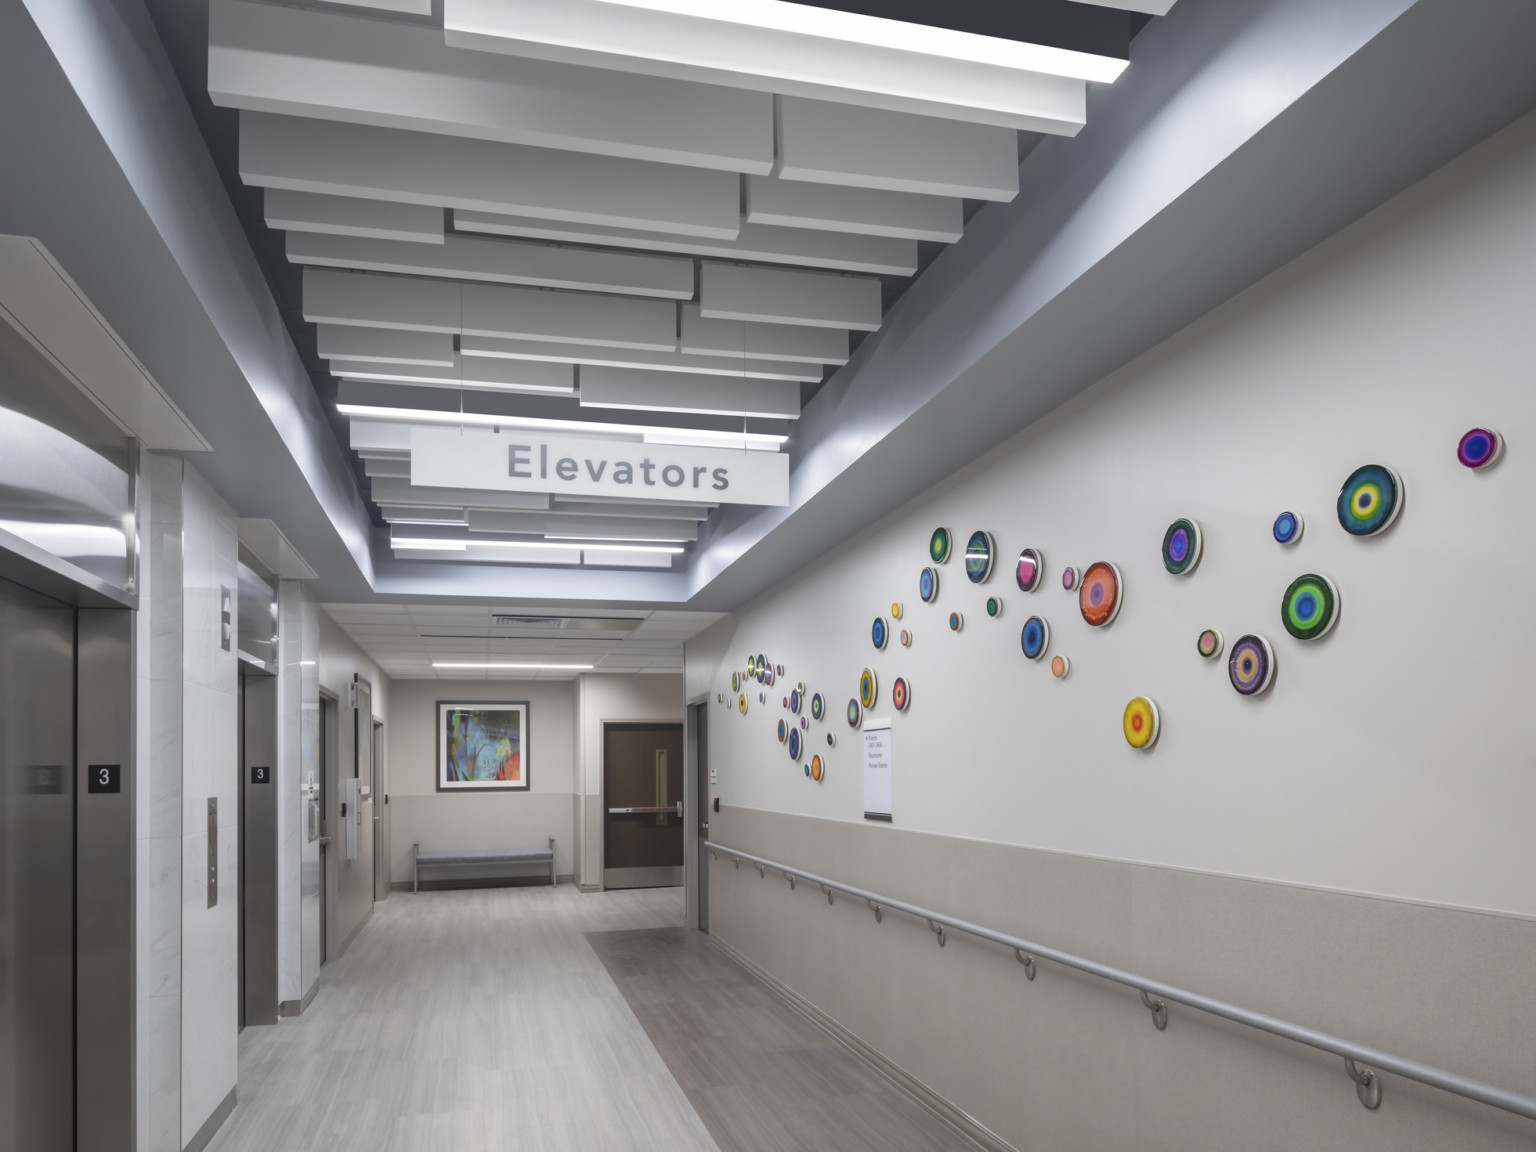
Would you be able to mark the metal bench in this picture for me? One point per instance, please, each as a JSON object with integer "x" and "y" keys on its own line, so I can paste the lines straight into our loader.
{"x": 480, "y": 858}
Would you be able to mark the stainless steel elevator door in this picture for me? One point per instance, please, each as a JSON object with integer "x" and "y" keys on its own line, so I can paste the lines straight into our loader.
{"x": 37, "y": 871}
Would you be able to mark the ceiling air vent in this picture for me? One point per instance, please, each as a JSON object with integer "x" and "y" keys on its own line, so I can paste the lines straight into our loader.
{"x": 550, "y": 623}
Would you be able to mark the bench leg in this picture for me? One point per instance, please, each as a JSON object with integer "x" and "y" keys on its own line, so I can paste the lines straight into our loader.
{"x": 552, "y": 881}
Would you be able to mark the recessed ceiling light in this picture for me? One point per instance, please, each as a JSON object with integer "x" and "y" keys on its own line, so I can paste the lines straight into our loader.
{"x": 519, "y": 667}
{"x": 879, "y": 31}
{"x": 428, "y": 545}
{"x": 759, "y": 441}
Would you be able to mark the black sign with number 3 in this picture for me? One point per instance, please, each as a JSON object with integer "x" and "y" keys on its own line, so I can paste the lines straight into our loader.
{"x": 104, "y": 778}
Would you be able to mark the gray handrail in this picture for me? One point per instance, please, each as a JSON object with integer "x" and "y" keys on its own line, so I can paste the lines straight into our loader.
{"x": 1367, "y": 1080}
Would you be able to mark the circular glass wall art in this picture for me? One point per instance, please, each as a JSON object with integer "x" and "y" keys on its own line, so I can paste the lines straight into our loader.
{"x": 956, "y": 621}
{"x": 780, "y": 669}
{"x": 994, "y": 607}
{"x": 939, "y": 545}
{"x": 1209, "y": 644}
{"x": 855, "y": 713}
{"x": 1069, "y": 578}
{"x": 869, "y": 688}
{"x": 804, "y": 723}
{"x": 1310, "y": 607}
{"x": 906, "y": 638}
{"x": 1252, "y": 665}
{"x": 978, "y": 557}
{"x": 1029, "y": 570}
{"x": 896, "y": 610}
{"x": 807, "y": 771}
{"x": 1035, "y": 638}
{"x": 1182, "y": 546}
{"x": 818, "y": 707}
{"x": 1288, "y": 527}
{"x": 768, "y": 677}
{"x": 1370, "y": 500}
{"x": 901, "y": 694}
{"x": 1099, "y": 596}
{"x": 786, "y": 701}
{"x": 928, "y": 585}
{"x": 783, "y": 731}
{"x": 742, "y": 703}
{"x": 794, "y": 743}
{"x": 818, "y": 769}
{"x": 1060, "y": 666}
{"x": 1141, "y": 723}
{"x": 794, "y": 701}
{"x": 762, "y": 697}
{"x": 735, "y": 681}
{"x": 831, "y": 740}
{"x": 1479, "y": 448}
{"x": 880, "y": 632}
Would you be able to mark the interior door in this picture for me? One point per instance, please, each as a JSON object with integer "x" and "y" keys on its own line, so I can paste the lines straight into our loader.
{"x": 643, "y": 795}
{"x": 37, "y": 872}
{"x": 380, "y": 815}
{"x": 700, "y": 713}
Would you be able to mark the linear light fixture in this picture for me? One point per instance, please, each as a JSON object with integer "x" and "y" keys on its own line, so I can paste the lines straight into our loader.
{"x": 924, "y": 39}
{"x": 517, "y": 667}
{"x": 429, "y": 545}
{"x": 758, "y": 441}
{"x": 615, "y": 540}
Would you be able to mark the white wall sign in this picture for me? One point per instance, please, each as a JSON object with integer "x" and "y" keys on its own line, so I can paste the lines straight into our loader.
{"x": 877, "y": 769}
{"x": 516, "y": 461}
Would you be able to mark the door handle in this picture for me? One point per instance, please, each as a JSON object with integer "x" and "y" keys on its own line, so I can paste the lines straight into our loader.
{"x": 673, "y": 810}
{"x": 324, "y": 841}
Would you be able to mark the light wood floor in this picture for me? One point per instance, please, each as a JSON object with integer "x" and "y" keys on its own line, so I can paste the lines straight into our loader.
{"x": 469, "y": 1021}
{"x": 514, "y": 1019}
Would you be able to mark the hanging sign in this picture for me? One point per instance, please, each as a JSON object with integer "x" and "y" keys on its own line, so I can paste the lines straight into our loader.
{"x": 516, "y": 461}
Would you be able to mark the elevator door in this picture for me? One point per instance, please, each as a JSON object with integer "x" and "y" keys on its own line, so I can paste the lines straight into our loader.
{"x": 37, "y": 870}
{"x": 643, "y": 793}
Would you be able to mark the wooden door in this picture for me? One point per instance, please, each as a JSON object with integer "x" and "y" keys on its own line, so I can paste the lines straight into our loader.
{"x": 643, "y": 798}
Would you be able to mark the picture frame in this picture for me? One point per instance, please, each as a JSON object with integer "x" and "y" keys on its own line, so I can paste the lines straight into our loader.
{"x": 482, "y": 746}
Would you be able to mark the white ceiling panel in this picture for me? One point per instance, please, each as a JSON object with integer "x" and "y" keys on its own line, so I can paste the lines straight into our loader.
{"x": 447, "y": 517}
{"x": 625, "y": 388}
{"x": 783, "y": 296}
{"x": 876, "y": 148}
{"x": 765, "y": 59}
{"x": 722, "y": 365}
{"x": 267, "y": 58}
{"x": 872, "y": 211}
{"x": 446, "y": 171}
{"x": 503, "y": 261}
{"x": 351, "y": 216}
{"x": 375, "y": 300}
{"x": 842, "y": 252}
{"x": 468, "y": 372}
{"x": 402, "y": 493}
{"x": 385, "y": 345}
{"x": 789, "y": 342}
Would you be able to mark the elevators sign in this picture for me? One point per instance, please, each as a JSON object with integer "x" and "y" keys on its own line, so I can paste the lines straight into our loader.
{"x": 519, "y": 461}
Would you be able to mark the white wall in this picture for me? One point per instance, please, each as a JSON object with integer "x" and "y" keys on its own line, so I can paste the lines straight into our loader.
{"x": 482, "y": 819}
{"x": 210, "y": 768}
{"x": 1391, "y": 758}
{"x": 606, "y": 699}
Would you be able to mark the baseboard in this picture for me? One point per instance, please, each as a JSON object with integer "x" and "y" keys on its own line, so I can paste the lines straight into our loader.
{"x": 289, "y": 1008}
{"x": 212, "y": 1125}
{"x": 590, "y": 888}
{"x": 899, "y": 1078}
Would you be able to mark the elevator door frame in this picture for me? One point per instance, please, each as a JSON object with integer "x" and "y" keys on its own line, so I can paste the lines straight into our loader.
{"x": 664, "y": 876}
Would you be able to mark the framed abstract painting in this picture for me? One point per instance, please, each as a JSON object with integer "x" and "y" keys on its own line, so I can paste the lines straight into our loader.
{"x": 482, "y": 746}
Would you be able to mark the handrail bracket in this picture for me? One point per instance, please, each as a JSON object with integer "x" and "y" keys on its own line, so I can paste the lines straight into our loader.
{"x": 1158, "y": 1008}
{"x": 1027, "y": 960}
{"x": 828, "y": 891}
{"x": 939, "y": 931}
{"x": 876, "y": 909}
{"x": 1367, "y": 1084}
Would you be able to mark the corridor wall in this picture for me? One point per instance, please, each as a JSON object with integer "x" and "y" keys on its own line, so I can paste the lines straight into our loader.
{"x": 442, "y": 820}
{"x": 1350, "y": 850}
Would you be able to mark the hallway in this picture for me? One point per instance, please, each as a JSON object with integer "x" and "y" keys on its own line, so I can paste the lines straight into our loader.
{"x": 531, "y": 1018}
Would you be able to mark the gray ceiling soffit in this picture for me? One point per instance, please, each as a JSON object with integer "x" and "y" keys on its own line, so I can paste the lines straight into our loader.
{"x": 1243, "y": 134}
{"x": 105, "y": 165}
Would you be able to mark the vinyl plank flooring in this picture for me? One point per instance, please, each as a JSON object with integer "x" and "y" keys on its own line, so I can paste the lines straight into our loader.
{"x": 761, "y": 1077}
{"x": 470, "y": 1021}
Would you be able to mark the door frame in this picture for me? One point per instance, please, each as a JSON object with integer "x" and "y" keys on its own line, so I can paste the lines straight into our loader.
{"x": 695, "y": 858}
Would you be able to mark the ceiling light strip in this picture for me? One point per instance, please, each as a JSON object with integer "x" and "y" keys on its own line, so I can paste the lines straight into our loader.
{"x": 761, "y": 441}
